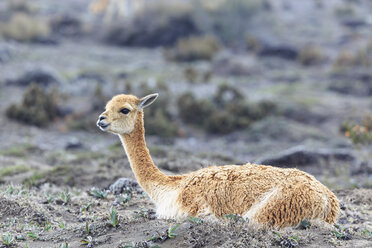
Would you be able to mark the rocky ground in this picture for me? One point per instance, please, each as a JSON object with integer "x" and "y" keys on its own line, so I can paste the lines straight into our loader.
{"x": 280, "y": 95}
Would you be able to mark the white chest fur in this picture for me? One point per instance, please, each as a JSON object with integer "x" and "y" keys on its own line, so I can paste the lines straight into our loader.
{"x": 167, "y": 206}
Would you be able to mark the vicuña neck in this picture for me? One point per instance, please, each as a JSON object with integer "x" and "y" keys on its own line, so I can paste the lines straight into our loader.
{"x": 145, "y": 171}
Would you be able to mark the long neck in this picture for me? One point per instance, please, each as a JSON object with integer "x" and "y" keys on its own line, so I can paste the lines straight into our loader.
{"x": 145, "y": 171}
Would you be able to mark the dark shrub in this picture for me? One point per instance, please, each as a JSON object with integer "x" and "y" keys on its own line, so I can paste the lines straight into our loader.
{"x": 38, "y": 107}
{"x": 224, "y": 112}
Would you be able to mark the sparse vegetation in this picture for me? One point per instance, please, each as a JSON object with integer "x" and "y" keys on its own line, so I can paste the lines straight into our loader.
{"x": 38, "y": 107}
{"x": 13, "y": 170}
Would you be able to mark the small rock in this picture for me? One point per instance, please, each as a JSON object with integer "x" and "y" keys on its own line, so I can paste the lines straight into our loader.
{"x": 59, "y": 202}
{"x": 74, "y": 143}
{"x": 280, "y": 51}
{"x": 301, "y": 156}
{"x": 123, "y": 184}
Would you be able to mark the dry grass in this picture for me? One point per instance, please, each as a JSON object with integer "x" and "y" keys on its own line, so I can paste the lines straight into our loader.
{"x": 194, "y": 48}
{"x": 24, "y": 27}
{"x": 311, "y": 55}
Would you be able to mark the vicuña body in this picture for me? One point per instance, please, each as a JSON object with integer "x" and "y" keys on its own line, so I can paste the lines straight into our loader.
{"x": 264, "y": 194}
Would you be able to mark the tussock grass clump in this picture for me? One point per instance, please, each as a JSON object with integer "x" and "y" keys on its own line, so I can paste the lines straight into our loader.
{"x": 225, "y": 112}
{"x": 360, "y": 58}
{"x": 38, "y": 107}
{"x": 26, "y": 28}
{"x": 311, "y": 55}
{"x": 194, "y": 48}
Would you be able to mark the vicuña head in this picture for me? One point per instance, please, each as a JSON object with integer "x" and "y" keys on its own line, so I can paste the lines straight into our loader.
{"x": 122, "y": 112}
{"x": 266, "y": 195}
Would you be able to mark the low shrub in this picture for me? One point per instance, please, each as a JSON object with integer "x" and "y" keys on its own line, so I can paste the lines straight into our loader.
{"x": 359, "y": 134}
{"x": 38, "y": 107}
{"x": 225, "y": 112}
{"x": 193, "y": 48}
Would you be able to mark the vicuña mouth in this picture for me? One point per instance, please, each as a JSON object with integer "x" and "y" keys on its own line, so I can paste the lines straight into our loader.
{"x": 102, "y": 126}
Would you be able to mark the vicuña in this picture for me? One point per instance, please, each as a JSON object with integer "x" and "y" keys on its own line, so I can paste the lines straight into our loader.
{"x": 265, "y": 195}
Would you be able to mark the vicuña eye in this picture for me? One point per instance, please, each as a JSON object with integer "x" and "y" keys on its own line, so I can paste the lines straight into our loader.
{"x": 124, "y": 111}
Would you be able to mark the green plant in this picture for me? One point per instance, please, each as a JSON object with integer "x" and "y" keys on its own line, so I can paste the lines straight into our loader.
{"x": 32, "y": 235}
{"x": 85, "y": 207}
{"x": 98, "y": 193}
{"x": 7, "y": 239}
{"x": 64, "y": 245}
{"x": 235, "y": 218}
{"x": 196, "y": 220}
{"x": 341, "y": 233}
{"x": 145, "y": 213}
{"x": 65, "y": 197}
{"x": 366, "y": 232}
{"x": 114, "y": 219}
{"x": 87, "y": 230}
{"x": 88, "y": 241}
{"x": 124, "y": 199}
{"x": 172, "y": 231}
{"x": 62, "y": 225}
{"x": 305, "y": 224}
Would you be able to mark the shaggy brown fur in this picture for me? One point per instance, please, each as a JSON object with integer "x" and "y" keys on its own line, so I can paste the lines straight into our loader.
{"x": 264, "y": 194}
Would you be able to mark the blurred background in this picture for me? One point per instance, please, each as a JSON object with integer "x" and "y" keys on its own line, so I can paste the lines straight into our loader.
{"x": 286, "y": 83}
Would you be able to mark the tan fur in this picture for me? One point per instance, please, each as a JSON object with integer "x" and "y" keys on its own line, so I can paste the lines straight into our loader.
{"x": 121, "y": 9}
{"x": 265, "y": 195}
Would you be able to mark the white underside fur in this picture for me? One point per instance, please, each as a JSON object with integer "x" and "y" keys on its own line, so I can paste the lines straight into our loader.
{"x": 256, "y": 207}
{"x": 166, "y": 203}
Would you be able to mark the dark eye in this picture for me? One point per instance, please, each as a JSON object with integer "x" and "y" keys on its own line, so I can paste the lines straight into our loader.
{"x": 124, "y": 111}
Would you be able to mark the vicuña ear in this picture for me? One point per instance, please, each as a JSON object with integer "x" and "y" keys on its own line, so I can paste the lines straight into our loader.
{"x": 147, "y": 100}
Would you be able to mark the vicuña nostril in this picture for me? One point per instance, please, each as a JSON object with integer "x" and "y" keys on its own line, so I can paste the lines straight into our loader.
{"x": 102, "y": 118}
